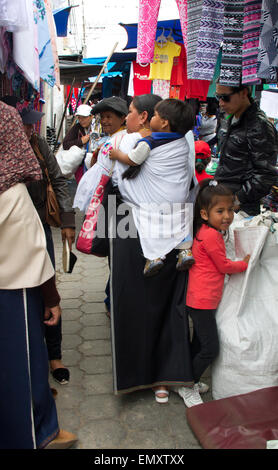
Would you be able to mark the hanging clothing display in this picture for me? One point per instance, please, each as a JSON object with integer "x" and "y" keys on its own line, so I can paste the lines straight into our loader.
{"x": 209, "y": 39}
{"x": 181, "y": 86}
{"x": 268, "y": 57}
{"x": 13, "y": 15}
{"x": 251, "y": 36}
{"x": 27, "y": 58}
{"x": 52, "y": 32}
{"x": 194, "y": 13}
{"x": 161, "y": 67}
{"x": 141, "y": 83}
{"x": 46, "y": 59}
{"x": 231, "y": 67}
{"x": 161, "y": 88}
{"x": 148, "y": 15}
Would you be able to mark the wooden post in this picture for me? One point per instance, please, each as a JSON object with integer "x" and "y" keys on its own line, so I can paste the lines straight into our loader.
{"x": 98, "y": 77}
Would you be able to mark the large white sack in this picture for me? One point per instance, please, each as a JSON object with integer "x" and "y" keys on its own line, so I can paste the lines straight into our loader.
{"x": 247, "y": 317}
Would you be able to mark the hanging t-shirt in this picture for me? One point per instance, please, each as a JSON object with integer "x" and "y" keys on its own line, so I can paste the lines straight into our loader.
{"x": 161, "y": 67}
{"x": 141, "y": 83}
{"x": 181, "y": 86}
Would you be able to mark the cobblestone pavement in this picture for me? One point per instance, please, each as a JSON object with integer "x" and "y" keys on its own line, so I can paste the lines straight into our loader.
{"x": 87, "y": 405}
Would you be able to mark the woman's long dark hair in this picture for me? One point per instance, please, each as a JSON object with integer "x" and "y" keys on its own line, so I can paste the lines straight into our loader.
{"x": 206, "y": 199}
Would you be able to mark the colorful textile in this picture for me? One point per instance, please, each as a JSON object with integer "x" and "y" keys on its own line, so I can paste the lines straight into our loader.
{"x": 209, "y": 39}
{"x": 251, "y": 36}
{"x": 52, "y": 32}
{"x": 18, "y": 163}
{"x": 46, "y": 60}
{"x": 161, "y": 67}
{"x": 231, "y": 67}
{"x": 194, "y": 13}
{"x": 268, "y": 43}
{"x": 181, "y": 86}
{"x": 148, "y": 15}
{"x": 161, "y": 88}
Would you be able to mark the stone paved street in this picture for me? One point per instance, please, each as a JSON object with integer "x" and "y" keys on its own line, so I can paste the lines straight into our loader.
{"x": 87, "y": 405}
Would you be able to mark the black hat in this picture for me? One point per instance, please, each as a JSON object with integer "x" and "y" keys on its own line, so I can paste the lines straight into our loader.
{"x": 114, "y": 103}
{"x": 30, "y": 116}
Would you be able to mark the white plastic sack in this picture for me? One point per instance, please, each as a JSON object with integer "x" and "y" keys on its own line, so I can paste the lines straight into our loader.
{"x": 70, "y": 160}
{"x": 247, "y": 317}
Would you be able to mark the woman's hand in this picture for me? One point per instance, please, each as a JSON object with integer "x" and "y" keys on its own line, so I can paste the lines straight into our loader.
{"x": 69, "y": 234}
{"x": 85, "y": 139}
{"x": 52, "y": 315}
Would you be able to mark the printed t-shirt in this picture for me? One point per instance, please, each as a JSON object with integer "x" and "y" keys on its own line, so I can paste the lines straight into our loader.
{"x": 141, "y": 83}
{"x": 161, "y": 67}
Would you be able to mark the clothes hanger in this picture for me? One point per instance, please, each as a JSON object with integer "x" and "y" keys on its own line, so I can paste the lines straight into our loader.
{"x": 170, "y": 36}
{"x": 161, "y": 40}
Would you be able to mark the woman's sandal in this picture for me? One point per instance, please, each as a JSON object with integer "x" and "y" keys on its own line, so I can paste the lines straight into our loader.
{"x": 160, "y": 399}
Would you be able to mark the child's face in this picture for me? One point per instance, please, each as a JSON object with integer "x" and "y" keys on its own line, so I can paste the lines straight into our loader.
{"x": 221, "y": 214}
{"x": 158, "y": 124}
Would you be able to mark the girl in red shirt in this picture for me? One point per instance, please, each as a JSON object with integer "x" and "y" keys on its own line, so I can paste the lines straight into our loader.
{"x": 214, "y": 213}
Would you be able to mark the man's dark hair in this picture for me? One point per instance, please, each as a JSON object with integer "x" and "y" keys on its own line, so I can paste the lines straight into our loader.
{"x": 178, "y": 113}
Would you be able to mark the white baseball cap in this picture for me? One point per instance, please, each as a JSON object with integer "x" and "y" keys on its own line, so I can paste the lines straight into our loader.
{"x": 84, "y": 110}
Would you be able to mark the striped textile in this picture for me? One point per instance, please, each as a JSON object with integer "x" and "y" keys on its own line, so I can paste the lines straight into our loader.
{"x": 194, "y": 14}
{"x": 268, "y": 43}
{"x": 209, "y": 40}
{"x": 251, "y": 36}
{"x": 231, "y": 67}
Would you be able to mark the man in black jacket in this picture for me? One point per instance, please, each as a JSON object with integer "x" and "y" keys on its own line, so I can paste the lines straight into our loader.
{"x": 248, "y": 153}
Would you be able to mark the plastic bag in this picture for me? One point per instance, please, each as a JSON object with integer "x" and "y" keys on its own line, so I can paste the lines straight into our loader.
{"x": 70, "y": 160}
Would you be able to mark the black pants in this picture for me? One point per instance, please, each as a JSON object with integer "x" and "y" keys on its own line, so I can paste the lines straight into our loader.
{"x": 53, "y": 334}
{"x": 205, "y": 343}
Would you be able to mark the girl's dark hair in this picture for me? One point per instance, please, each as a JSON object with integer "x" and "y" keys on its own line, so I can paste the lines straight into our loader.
{"x": 146, "y": 103}
{"x": 178, "y": 113}
{"x": 206, "y": 199}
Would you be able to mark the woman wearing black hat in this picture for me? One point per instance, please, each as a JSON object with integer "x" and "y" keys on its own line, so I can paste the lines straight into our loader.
{"x": 113, "y": 112}
{"x": 37, "y": 191}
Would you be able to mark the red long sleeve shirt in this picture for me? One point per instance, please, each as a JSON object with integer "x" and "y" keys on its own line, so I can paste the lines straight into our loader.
{"x": 206, "y": 276}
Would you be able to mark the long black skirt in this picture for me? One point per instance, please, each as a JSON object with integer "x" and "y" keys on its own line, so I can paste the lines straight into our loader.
{"x": 150, "y": 331}
{"x": 28, "y": 413}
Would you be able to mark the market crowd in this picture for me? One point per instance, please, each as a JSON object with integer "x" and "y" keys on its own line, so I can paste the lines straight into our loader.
{"x": 201, "y": 167}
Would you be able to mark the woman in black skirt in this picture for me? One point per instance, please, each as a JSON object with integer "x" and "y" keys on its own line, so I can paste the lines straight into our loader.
{"x": 150, "y": 333}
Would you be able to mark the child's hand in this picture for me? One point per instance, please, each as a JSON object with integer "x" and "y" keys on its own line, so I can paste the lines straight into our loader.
{"x": 246, "y": 259}
{"x": 113, "y": 154}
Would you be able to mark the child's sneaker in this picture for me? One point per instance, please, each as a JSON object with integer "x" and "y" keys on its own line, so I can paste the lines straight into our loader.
{"x": 185, "y": 260}
{"x": 152, "y": 266}
{"x": 190, "y": 396}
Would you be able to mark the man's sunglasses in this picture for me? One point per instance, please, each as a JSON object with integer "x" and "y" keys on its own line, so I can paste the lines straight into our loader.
{"x": 226, "y": 98}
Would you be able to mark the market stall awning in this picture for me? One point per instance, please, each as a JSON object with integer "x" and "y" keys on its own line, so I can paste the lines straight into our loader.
{"x": 173, "y": 26}
{"x": 70, "y": 69}
{"x": 61, "y": 16}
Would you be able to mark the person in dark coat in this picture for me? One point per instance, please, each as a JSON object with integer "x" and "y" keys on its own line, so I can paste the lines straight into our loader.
{"x": 248, "y": 153}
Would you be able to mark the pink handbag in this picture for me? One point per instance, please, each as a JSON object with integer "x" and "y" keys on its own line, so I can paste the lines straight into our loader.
{"x": 88, "y": 242}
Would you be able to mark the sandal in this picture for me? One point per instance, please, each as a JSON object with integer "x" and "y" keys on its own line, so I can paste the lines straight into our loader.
{"x": 159, "y": 399}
